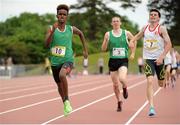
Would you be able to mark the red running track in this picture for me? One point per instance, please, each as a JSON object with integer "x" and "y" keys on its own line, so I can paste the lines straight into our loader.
{"x": 35, "y": 100}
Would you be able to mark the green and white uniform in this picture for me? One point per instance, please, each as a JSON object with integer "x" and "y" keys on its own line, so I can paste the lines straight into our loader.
{"x": 118, "y": 45}
{"x": 118, "y": 50}
{"x": 61, "y": 46}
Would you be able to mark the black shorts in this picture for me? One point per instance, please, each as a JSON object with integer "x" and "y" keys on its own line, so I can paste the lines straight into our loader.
{"x": 151, "y": 67}
{"x": 174, "y": 68}
{"x": 114, "y": 64}
{"x": 56, "y": 70}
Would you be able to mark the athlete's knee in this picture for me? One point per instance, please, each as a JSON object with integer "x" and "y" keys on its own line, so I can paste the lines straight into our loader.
{"x": 115, "y": 85}
{"x": 62, "y": 74}
{"x": 161, "y": 83}
{"x": 150, "y": 80}
{"x": 123, "y": 80}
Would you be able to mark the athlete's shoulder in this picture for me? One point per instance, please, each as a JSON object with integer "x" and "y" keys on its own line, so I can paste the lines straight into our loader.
{"x": 162, "y": 29}
{"x": 145, "y": 27}
{"x": 69, "y": 26}
{"x": 107, "y": 33}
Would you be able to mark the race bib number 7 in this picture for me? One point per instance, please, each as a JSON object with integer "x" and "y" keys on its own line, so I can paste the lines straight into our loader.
{"x": 118, "y": 51}
{"x": 58, "y": 51}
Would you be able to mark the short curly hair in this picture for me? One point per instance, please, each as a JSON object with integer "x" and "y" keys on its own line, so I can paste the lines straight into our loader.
{"x": 63, "y": 6}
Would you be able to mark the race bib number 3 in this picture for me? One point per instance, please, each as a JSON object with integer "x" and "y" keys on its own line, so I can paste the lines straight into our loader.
{"x": 58, "y": 51}
{"x": 118, "y": 51}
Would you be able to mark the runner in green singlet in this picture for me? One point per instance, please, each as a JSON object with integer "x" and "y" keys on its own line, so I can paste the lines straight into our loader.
{"x": 117, "y": 43}
{"x": 59, "y": 42}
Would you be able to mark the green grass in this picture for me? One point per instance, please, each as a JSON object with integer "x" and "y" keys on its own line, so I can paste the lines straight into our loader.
{"x": 93, "y": 62}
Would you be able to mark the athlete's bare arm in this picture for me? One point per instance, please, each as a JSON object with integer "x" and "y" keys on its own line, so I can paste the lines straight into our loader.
{"x": 130, "y": 37}
{"x": 49, "y": 34}
{"x": 139, "y": 34}
{"x": 167, "y": 45}
{"x": 82, "y": 38}
{"x": 167, "y": 40}
{"x": 105, "y": 42}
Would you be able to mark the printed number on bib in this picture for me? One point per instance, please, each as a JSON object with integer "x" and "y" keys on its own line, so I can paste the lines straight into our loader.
{"x": 58, "y": 51}
{"x": 151, "y": 45}
{"x": 118, "y": 52}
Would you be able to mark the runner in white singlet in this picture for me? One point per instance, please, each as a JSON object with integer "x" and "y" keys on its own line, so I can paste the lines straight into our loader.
{"x": 156, "y": 45}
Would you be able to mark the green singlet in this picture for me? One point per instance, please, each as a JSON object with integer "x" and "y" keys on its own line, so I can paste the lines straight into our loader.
{"x": 118, "y": 46}
{"x": 61, "y": 46}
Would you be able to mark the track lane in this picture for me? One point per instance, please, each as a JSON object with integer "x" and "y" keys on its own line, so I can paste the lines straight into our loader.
{"x": 86, "y": 109}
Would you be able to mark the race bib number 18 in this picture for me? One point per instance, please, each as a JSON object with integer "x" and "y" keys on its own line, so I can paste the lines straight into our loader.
{"x": 58, "y": 51}
{"x": 118, "y": 52}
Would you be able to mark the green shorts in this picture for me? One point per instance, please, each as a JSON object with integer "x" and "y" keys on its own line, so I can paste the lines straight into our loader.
{"x": 151, "y": 67}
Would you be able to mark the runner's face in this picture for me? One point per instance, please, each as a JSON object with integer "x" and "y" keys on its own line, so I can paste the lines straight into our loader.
{"x": 153, "y": 17}
{"x": 116, "y": 22}
{"x": 62, "y": 15}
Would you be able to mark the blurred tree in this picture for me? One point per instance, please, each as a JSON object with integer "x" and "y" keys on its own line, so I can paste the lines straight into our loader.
{"x": 94, "y": 13}
{"x": 126, "y": 4}
{"x": 97, "y": 15}
{"x": 22, "y": 37}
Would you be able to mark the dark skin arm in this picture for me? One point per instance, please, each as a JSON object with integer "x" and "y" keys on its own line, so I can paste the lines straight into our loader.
{"x": 82, "y": 38}
{"x": 49, "y": 34}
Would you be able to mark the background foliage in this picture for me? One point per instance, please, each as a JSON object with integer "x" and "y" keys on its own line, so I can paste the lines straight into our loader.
{"x": 22, "y": 37}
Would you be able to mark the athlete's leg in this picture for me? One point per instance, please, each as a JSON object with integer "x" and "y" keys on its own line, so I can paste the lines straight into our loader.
{"x": 150, "y": 91}
{"x": 173, "y": 77}
{"x": 55, "y": 72}
{"x": 161, "y": 83}
{"x": 123, "y": 79}
{"x": 167, "y": 75}
{"x": 66, "y": 68}
{"x": 123, "y": 76}
{"x": 60, "y": 90}
{"x": 115, "y": 80}
{"x": 160, "y": 71}
{"x": 150, "y": 71}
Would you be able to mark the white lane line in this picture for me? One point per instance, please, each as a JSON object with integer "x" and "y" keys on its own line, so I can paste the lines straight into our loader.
{"x": 54, "y": 99}
{"x": 140, "y": 109}
{"x": 53, "y": 85}
{"x": 106, "y": 97}
{"x": 96, "y": 101}
{"x": 21, "y": 90}
{"x": 52, "y": 90}
{"x": 22, "y": 86}
{"x": 28, "y": 95}
{"x": 28, "y": 84}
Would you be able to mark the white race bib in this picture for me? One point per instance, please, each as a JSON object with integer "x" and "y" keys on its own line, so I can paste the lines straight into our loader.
{"x": 151, "y": 45}
{"x": 118, "y": 51}
{"x": 58, "y": 51}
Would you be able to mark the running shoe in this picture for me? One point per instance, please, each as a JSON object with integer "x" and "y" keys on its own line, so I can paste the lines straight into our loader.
{"x": 119, "y": 108}
{"x": 125, "y": 93}
{"x": 67, "y": 107}
{"x": 152, "y": 111}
